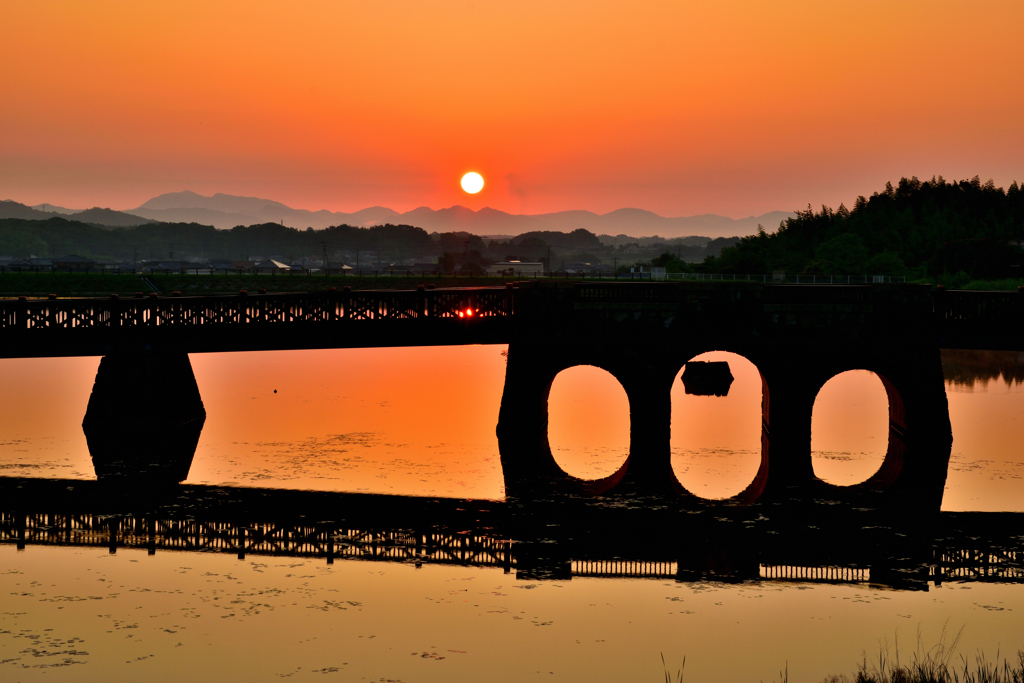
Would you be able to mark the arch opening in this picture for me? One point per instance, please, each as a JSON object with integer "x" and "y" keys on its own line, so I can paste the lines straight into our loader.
{"x": 850, "y": 428}
{"x": 588, "y": 422}
{"x": 716, "y": 439}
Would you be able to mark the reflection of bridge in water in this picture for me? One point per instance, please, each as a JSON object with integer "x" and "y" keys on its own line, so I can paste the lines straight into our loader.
{"x": 955, "y": 547}
{"x": 944, "y": 563}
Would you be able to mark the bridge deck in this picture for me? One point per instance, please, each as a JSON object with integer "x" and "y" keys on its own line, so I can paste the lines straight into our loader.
{"x": 332, "y": 319}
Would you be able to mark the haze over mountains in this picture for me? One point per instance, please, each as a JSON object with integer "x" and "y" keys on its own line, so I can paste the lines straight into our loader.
{"x": 95, "y": 216}
{"x": 227, "y": 211}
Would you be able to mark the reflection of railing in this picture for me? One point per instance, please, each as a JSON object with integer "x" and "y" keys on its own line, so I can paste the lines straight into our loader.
{"x": 624, "y": 568}
{"x": 331, "y": 541}
{"x": 1000, "y": 565}
{"x": 252, "y": 537}
{"x": 827, "y": 574}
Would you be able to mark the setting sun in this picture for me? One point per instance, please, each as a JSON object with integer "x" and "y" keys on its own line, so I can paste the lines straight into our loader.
{"x": 472, "y": 182}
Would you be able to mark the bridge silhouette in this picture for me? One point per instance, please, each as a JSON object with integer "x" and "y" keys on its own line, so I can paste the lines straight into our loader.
{"x": 798, "y": 336}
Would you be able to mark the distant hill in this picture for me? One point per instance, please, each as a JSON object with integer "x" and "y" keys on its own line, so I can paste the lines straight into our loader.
{"x": 227, "y": 211}
{"x": 94, "y": 216}
{"x": 13, "y": 209}
{"x": 51, "y": 208}
{"x": 109, "y": 217}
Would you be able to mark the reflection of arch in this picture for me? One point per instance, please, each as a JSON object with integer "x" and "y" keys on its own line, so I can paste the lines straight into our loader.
{"x": 753, "y": 490}
{"x": 608, "y": 390}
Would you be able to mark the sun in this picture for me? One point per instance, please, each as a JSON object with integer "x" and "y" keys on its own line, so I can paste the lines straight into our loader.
{"x": 472, "y": 182}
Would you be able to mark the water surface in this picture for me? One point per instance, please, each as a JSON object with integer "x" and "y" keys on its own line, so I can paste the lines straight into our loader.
{"x": 420, "y": 422}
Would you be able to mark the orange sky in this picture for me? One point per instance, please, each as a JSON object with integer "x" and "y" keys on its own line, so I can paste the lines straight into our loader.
{"x": 734, "y": 108}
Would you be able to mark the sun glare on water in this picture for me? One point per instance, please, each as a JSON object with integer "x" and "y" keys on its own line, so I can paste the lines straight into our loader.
{"x": 472, "y": 182}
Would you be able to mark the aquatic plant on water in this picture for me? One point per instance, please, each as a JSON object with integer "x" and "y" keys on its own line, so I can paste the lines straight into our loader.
{"x": 668, "y": 674}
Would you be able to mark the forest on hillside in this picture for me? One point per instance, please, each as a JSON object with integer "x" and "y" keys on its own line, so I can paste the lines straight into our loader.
{"x": 377, "y": 246}
{"x": 933, "y": 228}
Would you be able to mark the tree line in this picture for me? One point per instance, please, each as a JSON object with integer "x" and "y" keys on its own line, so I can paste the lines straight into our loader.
{"x": 918, "y": 228}
{"x": 58, "y": 237}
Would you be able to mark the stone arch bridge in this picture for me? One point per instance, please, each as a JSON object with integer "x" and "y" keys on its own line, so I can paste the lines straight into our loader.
{"x": 798, "y": 336}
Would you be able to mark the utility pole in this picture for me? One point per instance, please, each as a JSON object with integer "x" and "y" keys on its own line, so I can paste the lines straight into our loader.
{"x": 327, "y": 264}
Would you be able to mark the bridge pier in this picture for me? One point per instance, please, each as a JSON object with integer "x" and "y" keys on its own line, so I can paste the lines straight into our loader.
{"x": 911, "y": 478}
{"x": 527, "y": 462}
{"x": 144, "y": 418}
{"x": 913, "y": 473}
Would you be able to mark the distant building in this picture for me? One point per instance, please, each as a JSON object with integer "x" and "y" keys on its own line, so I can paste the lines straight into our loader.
{"x": 337, "y": 268}
{"x": 73, "y": 262}
{"x": 413, "y": 269}
{"x": 109, "y": 265}
{"x": 516, "y": 269}
{"x": 173, "y": 266}
{"x": 272, "y": 266}
{"x": 587, "y": 269}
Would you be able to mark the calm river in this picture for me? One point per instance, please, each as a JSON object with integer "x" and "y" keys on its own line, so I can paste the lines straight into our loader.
{"x": 420, "y": 422}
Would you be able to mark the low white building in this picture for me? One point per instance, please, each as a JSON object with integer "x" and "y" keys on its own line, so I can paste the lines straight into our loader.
{"x": 271, "y": 266}
{"x": 516, "y": 269}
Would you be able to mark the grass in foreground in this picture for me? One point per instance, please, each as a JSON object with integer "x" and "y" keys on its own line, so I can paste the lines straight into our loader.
{"x": 936, "y": 665}
{"x": 937, "y": 670}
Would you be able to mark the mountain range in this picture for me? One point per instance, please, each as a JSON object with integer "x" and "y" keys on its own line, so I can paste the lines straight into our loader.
{"x": 227, "y": 211}
{"x": 94, "y": 216}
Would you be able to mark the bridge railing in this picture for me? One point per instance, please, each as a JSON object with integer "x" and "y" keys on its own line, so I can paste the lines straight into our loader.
{"x": 979, "y": 320}
{"x": 963, "y": 309}
{"x": 634, "y": 293}
{"x": 80, "y": 314}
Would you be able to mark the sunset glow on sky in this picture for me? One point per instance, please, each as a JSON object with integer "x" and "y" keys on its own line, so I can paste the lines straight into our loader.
{"x": 680, "y": 108}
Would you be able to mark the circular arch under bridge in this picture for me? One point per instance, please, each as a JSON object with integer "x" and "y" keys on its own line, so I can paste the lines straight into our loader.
{"x": 850, "y": 428}
{"x": 912, "y": 473}
{"x": 717, "y": 424}
{"x": 588, "y": 425}
{"x": 892, "y": 458}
